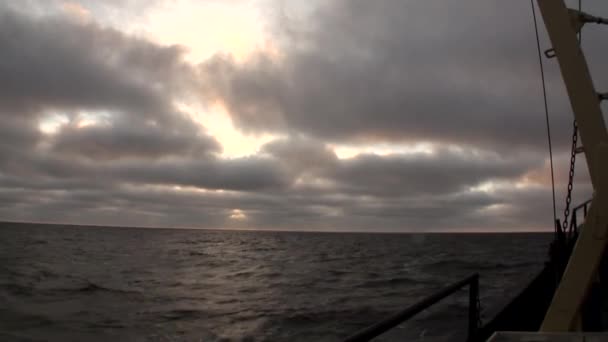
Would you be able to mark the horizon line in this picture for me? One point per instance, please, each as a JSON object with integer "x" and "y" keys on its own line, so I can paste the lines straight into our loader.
{"x": 333, "y": 231}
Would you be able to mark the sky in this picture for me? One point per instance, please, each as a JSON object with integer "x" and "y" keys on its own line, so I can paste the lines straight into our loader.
{"x": 342, "y": 115}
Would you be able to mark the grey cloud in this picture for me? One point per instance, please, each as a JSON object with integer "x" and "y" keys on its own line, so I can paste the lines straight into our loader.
{"x": 463, "y": 73}
{"x": 362, "y": 72}
{"x": 135, "y": 140}
{"x": 301, "y": 155}
{"x": 246, "y": 174}
{"x": 17, "y": 133}
{"x": 162, "y": 207}
{"x": 441, "y": 172}
{"x": 50, "y": 172}
{"x": 52, "y": 62}
{"x": 411, "y": 192}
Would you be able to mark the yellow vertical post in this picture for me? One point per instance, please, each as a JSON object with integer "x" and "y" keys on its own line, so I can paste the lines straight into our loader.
{"x": 589, "y": 249}
{"x": 582, "y": 94}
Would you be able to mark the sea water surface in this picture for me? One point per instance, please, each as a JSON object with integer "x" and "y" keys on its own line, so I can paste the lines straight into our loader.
{"x": 62, "y": 283}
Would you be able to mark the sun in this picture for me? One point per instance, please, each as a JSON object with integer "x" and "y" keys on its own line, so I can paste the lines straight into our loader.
{"x": 237, "y": 215}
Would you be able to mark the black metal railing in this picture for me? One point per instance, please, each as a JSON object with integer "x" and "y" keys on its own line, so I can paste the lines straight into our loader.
{"x": 390, "y": 322}
{"x": 573, "y": 228}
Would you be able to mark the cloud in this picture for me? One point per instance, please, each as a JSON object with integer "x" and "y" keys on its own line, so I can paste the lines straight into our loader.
{"x": 55, "y": 63}
{"x": 123, "y": 88}
{"x": 134, "y": 140}
{"x": 443, "y": 171}
{"x": 411, "y": 192}
{"x": 301, "y": 156}
{"x": 93, "y": 132}
{"x": 76, "y": 10}
{"x": 399, "y": 71}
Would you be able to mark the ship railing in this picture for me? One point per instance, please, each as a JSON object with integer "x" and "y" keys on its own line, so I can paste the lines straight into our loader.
{"x": 388, "y": 323}
{"x": 573, "y": 228}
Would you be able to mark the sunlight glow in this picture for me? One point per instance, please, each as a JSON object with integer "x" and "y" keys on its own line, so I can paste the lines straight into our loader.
{"x": 347, "y": 152}
{"x": 88, "y": 118}
{"x": 76, "y": 11}
{"x": 540, "y": 176}
{"x": 487, "y": 187}
{"x": 238, "y": 215}
{"x": 316, "y": 183}
{"x": 216, "y": 121}
{"x": 329, "y": 211}
{"x": 494, "y": 208}
{"x": 206, "y": 28}
{"x": 51, "y": 123}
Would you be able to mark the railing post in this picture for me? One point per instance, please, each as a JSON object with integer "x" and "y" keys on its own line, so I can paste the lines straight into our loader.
{"x": 473, "y": 308}
{"x": 573, "y": 225}
{"x": 585, "y": 210}
{"x": 390, "y": 322}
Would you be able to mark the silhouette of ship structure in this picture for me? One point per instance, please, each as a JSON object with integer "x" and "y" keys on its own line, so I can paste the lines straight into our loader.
{"x": 568, "y": 299}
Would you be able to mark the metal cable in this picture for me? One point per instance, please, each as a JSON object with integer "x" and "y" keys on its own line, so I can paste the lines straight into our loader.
{"x": 542, "y": 76}
{"x": 580, "y": 31}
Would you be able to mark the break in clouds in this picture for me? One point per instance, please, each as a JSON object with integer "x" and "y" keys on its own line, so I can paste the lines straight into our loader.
{"x": 94, "y": 130}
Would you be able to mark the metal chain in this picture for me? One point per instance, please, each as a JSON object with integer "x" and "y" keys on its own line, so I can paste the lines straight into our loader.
{"x": 570, "y": 176}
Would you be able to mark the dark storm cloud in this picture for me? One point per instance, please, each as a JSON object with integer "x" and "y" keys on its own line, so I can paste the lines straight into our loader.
{"x": 455, "y": 72}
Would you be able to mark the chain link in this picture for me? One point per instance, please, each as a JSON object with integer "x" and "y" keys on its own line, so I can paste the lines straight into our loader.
{"x": 570, "y": 176}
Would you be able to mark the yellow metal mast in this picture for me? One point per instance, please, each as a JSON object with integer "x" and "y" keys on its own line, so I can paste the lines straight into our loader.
{"x": 563, "y": 25}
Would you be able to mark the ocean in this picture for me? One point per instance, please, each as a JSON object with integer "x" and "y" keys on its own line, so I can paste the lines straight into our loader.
{"x": 62, "y": 283}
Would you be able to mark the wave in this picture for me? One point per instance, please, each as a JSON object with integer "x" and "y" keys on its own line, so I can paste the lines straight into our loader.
{"x": 86, "y": 288}
{"x": 476, "y": 265}
{"x": 182, "y": 314}
{"x": 196, "y": 253}
{"x": 315, "y": 287}
{"x": 23, "y": 319}
{"x": 31, "y": 290}
{"x": 387, "y": 282}
{"x": 92, "y": 287}
{"x": 240, "y": 274}
{"x": 353, "y": 314}
{"x": 16, "y": 338}
{"x": 17, "y": 290}
{"x": 108, "y": 323}
{"x": 339, "y": 272}
{"x": 413, "y": 279}
{"x": 271, "y": 275}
